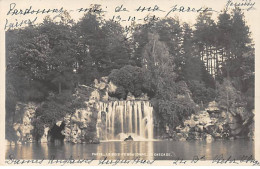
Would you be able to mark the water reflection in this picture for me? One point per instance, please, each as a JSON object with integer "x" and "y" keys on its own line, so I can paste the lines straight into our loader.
{"x": 130, "y": 150}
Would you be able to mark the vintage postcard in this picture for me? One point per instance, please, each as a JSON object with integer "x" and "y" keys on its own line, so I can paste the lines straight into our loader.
{"x": 137, "y": 82}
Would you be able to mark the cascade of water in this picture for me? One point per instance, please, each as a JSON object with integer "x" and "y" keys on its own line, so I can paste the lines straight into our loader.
{"x": 113, "y": 119}
{"x": 129, "y": 107}
{"x": 135, "y": 110}
{"x": 133, "y": 118}
{"x": 140, "y": 118}
{"x": 120, "y": 109}
{"x": 125, "y": 114}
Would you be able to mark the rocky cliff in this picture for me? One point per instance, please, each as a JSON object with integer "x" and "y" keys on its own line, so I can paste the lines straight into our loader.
{"x": 212, "y": 123}
{"x": 80, "y": 126}
{"x": 22, "y": 123}
{"x": 75, "y": 126}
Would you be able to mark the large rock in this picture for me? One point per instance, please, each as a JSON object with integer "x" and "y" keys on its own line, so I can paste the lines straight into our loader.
{"x": 213, "y": 107}
{"x": 204, "y": 118}
{"x": 192, "y": 122}
{"x": 111, "y": 87}
{"x": 235, "y": 124}
{"x": 77, "y": 123}
{"x": 130, "y": 96}
{"x": 23, "y": 122}
{"x": 203, "y": 126}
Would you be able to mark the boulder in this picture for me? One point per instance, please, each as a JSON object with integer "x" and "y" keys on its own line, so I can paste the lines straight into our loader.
{"x": 223, "y": 115}
{"x": 191, "y": 122}
{"x": 111, "y": 87}
{"x": 143, "y": 97}
{"x": 130, "y": 96}
{"x": 22, "y": 125}
{"x": 235, "y": 124}
{"x": 199, "y": 128}
{"x": 58, "y": 123}
{"x": 105, "y": 97}
{"x": 94, "y": 96}
{"x": 213, "y": 107}
{"x": 181, "y": 137}
{"x": 185, "y": 130}
{"x": 204, "y": 118}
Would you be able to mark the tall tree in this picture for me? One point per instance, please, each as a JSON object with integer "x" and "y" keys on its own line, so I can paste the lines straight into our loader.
{"x": 117, "y": 50}
{"x": 62, "y": 58}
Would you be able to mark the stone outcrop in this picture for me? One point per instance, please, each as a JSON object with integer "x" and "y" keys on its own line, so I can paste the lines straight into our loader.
{"x": 22, "y": 122}
{"x": 214, "y": 124}
{"x": 200, "y": 126}
{"x": 213, "y": 107}
{"x": 82, "y": 127}
{"x": 76, "y": 125}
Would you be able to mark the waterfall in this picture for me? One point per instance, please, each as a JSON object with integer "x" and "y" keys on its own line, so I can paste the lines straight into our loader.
{"x": 117, "y": 120}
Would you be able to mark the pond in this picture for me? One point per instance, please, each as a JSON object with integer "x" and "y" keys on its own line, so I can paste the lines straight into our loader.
{"x": 157, "y": 150}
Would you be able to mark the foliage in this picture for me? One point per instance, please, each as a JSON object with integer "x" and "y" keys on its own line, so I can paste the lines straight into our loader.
{"x": 227, "y": 96}
{"x": 174, "y": 112}
{"x": 200, "y": 93}
{"x": 102, "y": 46}
{"x": 168, "y": 31}
{"x": 38, "y": 129}
{"x": 129, "y": 79}
{"x": 205, "y": 32}
{"x": 172, "y": 99}
{"x": 54, "y": 109}
{"x": 164, "y": 58}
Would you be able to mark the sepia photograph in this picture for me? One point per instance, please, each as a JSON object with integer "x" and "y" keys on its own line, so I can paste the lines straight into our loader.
{"x": 122, "y": 82}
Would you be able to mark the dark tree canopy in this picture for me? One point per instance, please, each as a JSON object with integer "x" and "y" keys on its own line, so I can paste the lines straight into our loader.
{"x": 179, "y": 66}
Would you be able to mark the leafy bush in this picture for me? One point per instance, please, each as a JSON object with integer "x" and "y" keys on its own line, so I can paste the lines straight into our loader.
{"x": 54, "y": 109}
{"x": 201, "y": 93}
{"x": 129, "y": 79}
{"x": 174, "y": 112}
{"x": 228, "y": 97}
{"x": 38, "y": 129}
{"x": 174, "y": 104}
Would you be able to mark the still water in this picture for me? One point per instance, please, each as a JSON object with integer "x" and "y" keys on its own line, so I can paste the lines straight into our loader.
{"x": 157, "y": 150}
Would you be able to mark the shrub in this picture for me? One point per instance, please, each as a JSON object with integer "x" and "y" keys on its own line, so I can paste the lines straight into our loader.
{"x": 129, "y": 79}
{"x": 201, "y": 93}
{"x": 54, "y": 109}
{"x": 38, "y": 129}
{"x": 228, "y": 97}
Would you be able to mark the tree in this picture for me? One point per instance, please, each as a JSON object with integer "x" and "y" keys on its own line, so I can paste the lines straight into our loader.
{"x": 62, "y": 58}
{"x": 205, "y": 39}
{"x": 228, "y": 97}
{"x": 224, "y": 31}
{"x": 117, "y": 49}
{"x": 131, "y": 79}
{"x": 170, "y": 32}
{"x": 172, "y": 99}
{"x": 234, "y": 38}
{"x": 240, "y": 34}
{"x": 102, "y": 46}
